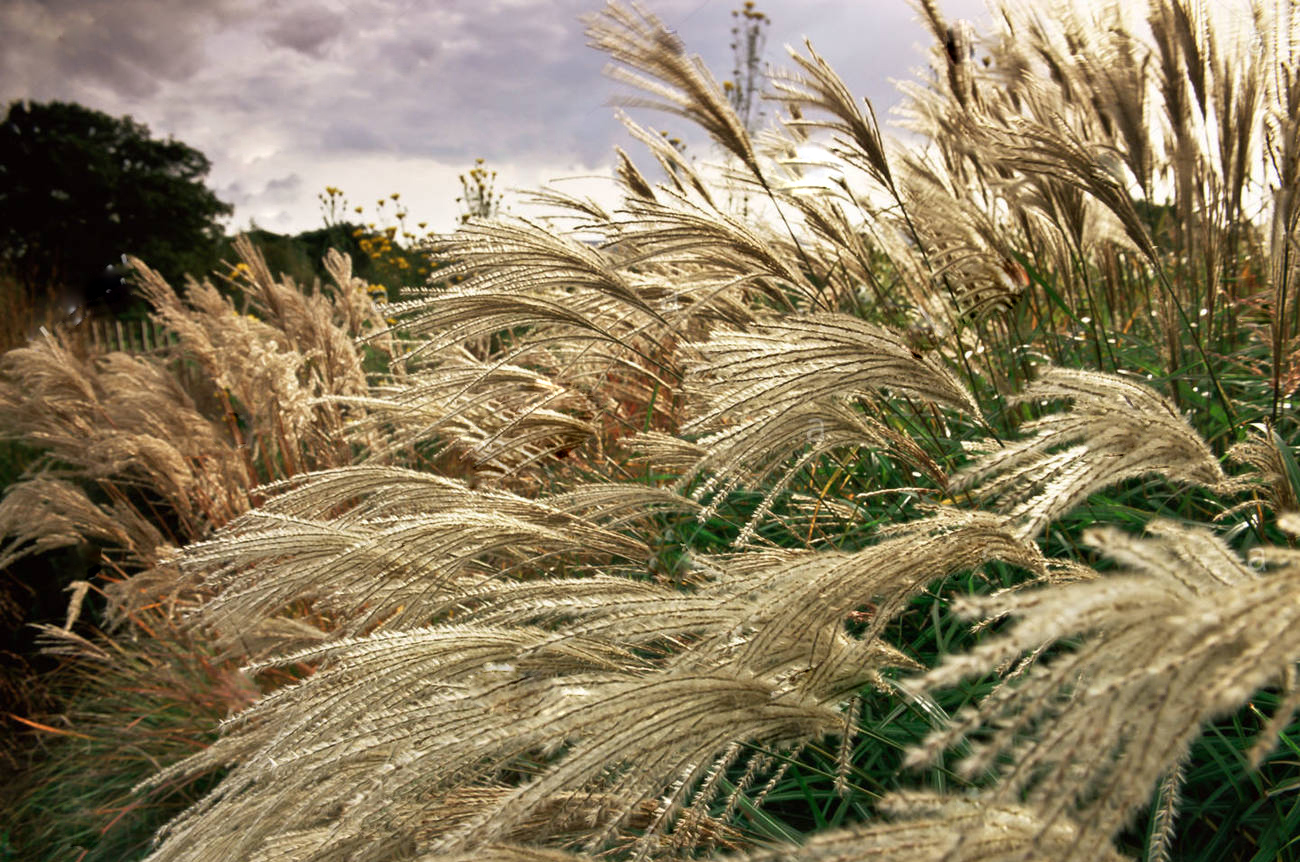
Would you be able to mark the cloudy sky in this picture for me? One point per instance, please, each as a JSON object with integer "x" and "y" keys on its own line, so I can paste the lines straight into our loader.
{"x": 286, "y": 97}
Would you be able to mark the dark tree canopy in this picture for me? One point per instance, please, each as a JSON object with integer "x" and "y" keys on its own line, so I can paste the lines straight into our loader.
{"x": 79, "y": 188}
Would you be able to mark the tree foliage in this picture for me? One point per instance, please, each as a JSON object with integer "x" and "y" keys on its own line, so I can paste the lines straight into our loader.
{"x": 80, "y": 188}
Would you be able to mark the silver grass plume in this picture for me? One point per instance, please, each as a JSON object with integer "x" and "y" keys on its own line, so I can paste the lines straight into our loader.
{"x": 629, "y": 698}
{"x": 781, "y": 364}
{"x": 917, "y": 827}
{"x": 932, "y": 827}
{"x": 1276, "y": 476}
{"x": 655, "y": 61}
{"x": 785, "y": 388}
{"x": 1184, "y": 633}
{"x": 508, "y": 853}
{"x": 678, "y": 170}
{"x": 673, "y": 228}
{"x": 757, "y": 452}
{"x": 461, "y": 704}
{"x": 564, "y": 205}
{"x": 519, "y": 274}
{"x": 796, "y": 601}
{"x": 414, "y": 543}
{"x": 855, "y": 134}
{"x": 1115, "y": 429}
{"x": 519, "y": 257}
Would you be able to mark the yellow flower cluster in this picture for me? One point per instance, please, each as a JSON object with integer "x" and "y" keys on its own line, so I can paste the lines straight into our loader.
{"x": 479, "y": 198}
{"x": 394, "y": 251}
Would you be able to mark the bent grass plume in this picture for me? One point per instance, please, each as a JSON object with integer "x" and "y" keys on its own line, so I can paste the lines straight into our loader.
{"x": 493, "y": 666}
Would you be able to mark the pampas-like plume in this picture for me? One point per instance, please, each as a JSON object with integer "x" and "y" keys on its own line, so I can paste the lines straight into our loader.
{"x": 655, "y": 61}
{"x": 1184, "y": 634}
{"x": 760, "y": 447}
{"x": 42, "y": 514}
{"x": 932, "y": 827}
{"x": 1116, "y": 429}
{"x": 855, "y": 133}
{"x": 627, "y": 699}
{"x": 125, "y": 420}
{"x": 784, "y": 363}
{"x": 407, "y": 559}
{"x": 498, "y": 417}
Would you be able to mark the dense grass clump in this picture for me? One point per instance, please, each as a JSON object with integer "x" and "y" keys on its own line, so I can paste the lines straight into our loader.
{"x": 854, "y": 501}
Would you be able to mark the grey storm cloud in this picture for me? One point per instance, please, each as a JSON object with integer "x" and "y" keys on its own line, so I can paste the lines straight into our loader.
{"x": 478, "y": 78}
{"x": 290, "y": 183}
{"x": 128, "y": 47}
{"x": 283, "y": 188}
{"x": 474, "y": 77}
{"x": 276, "y": 86}
{"x": 307, "y": 30}
{"x": 351, "y": 135}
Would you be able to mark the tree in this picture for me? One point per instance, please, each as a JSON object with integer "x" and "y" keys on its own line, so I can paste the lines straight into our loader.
{"x": 749, "y": 39}
{"x": 79, "y": 188}
{"x": 745, "y": 88}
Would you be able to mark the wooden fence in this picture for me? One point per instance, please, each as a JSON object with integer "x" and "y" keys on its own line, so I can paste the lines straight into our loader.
{"x": 106, "y": 335}
{"x": 141, "y": 337}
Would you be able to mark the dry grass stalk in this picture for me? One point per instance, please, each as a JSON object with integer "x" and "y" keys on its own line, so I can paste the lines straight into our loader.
{"x": 495, "y": 662}
{"x": 1186, "y": 633}
{"x": 583, "y": 697}
{"x": 1116, "y": 429}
